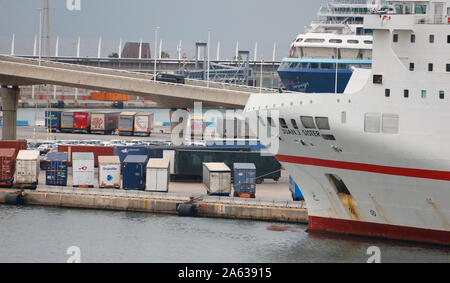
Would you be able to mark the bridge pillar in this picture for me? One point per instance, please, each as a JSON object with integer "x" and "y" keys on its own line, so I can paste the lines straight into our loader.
{"x": 10, "y": 101}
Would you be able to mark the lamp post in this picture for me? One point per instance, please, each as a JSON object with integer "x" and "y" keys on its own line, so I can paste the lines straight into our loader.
{"x": 156, "y": 49}
{"x": 207, "y": 71}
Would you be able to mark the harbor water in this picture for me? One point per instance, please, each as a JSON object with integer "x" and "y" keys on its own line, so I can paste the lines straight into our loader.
{"x": 43, "y": 234}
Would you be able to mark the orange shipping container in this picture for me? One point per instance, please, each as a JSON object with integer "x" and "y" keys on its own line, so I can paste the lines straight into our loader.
{"x": 108, "y": 96}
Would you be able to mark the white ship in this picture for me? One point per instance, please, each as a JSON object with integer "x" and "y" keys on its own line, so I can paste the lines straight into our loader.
{"x": 375, "y": 160}
{"x": 322, "y": 59}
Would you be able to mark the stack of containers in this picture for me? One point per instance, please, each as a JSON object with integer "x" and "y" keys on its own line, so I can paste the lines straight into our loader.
{"x": 56, "y": 169}
{"x": 27, "y": 169}
{"x": 244, "y": 180}
{"x": 217, "y": 179}
{"x": 157, "y": 175}
{"x": 109, "y": 172}
{"x": 123, "y": 151}
{"x": 83, "y": 169}
{"x": 7, "y": 166}
{"x": 134, "y": 172}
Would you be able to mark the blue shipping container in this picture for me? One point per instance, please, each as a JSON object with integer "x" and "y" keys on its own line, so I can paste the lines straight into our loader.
{"x": 53, "y": 120}
{"x": 124, "y": 151}
{"x": 134, "y": 169}
{"x": 244, "y": 175}
{"x": 56, "y": 169}
{"x": 295, "y": 190}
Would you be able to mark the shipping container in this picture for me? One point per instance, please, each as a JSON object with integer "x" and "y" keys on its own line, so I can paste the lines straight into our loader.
{"x": 244, "y": 179}
{"x": 67, "y": 121}
{"x": 17, "y": 145}
{"x": 53, "y": 120}
{"x": 7, "y": 166}
{"x": 126, "y": 123}
{"x": 56, "y": 166}
{"x": 83, "y": 169}
{"x": 27, "y": 169}
{"x": 108, "y": 96}
{"x": 96, "y": 150}
{"x": 295, "y": 190}
{"x": 143, "y": 124}
{"x": 134, "y": 172}
{"x": 104, "y": 122}
{"x": 81, "y": 122}
{"x": 188, "y": 163}
{"x": 109, "y": 172}
{"x": 123, "y": 151}
{"x": 217, "y": 178}
{"x": 157, "y": 175}
{"x": 197, "y": 126}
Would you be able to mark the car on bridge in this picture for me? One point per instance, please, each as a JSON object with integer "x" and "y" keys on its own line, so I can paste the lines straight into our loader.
{"x": 170, "y": 78}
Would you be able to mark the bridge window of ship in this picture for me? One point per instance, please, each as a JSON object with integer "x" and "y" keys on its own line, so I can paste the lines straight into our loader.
{"x": 411, "y": 66}
{"x": 431, "y": 38}
{"x": 387, "y": 92}
{"x": 294, "y": 124}
{"x": 406, "y": 93}
{"x": 314, "y": 66}
{"x": 395, "y": 39}
{"x": 413, "y": 38}
{"x": 335, "y": 40}
{"x": 315, "y": 40}
{"x": 430, "y": 67}
{"x": 421, "y": 9}
{"x": 323, "y": 123}
{"x": 448, "y": 38}
{"x": 327, "y": 66}
{"x": 448, "y": 67}
{"x": 441, "y": 94}
{"x": 424, "y": 94}
{"x": 353, "y": 41}
{"x": 368, "y": 41}
{"x": 378, "y": 79}
{"x": 308, "y": 122}
{"x": 283, "y": 123}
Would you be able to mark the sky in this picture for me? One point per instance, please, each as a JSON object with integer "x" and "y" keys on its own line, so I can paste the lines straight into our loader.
{"x": 265, "y": 22}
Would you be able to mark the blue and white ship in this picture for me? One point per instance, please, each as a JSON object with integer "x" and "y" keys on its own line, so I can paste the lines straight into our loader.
{"x": 322, "y": 59}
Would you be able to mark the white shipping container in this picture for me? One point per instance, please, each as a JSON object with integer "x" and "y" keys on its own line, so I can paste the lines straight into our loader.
{"x": 217, "y": 178}
{"x": 157, "y": 175}
{"x": 170, "y": 155}
{"x": 27, "y": 168}
{"x": 109, "y": 172}
{"x": 83, "y": 169}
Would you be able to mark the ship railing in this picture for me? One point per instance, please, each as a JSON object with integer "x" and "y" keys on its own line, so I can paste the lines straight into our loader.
{"x": 432, "y": 20}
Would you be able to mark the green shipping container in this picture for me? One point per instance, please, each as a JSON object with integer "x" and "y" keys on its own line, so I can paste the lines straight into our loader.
{"x": 188, "y": 163}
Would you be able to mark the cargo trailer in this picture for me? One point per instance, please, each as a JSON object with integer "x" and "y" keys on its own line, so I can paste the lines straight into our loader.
{"x": 244, "y": 179}
{"x": 27, "y": 169}
{"x": 53, "y": 121}
{"x": 126, "y": 123}
{"x": 157, "y": 177}
{"x": 109, "y": 172}
{"x": 81, "y": 122}
{"x": 83, "y": 169}
{"x": 295, "y": 190}
{"x": 133, "y": 174}
{"x": 105, "y": 123}
{"x": 217, "y": 178}
{"x": 67, "y": 121}
{"x": 143, "y": 124}
{"x": 17, "y": 145}
{"x": 188, "y": 163}
{"x": 7, "y": 166}
{"x": 56, "y": 166}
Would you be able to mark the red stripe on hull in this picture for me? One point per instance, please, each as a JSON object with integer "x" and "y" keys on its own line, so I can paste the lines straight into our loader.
{"x": 351, "y": 227}
{"x": 397, "y": 171}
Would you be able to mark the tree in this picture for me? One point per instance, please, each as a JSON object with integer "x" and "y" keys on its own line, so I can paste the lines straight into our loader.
{"x": 113, "y": 55}
{"x": 165, "y": 55}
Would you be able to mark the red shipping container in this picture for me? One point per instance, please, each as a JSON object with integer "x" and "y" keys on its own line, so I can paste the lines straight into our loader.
{"x": 81, "y": 122}
{"x": 18, "y": 145}
{"x": 7, "y": 166}
{"x": 97, "y": 150}
{"x": 63, "y": 97}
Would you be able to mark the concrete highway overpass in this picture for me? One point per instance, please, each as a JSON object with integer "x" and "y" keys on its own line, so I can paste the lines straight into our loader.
{"x": 16, "y": 72}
